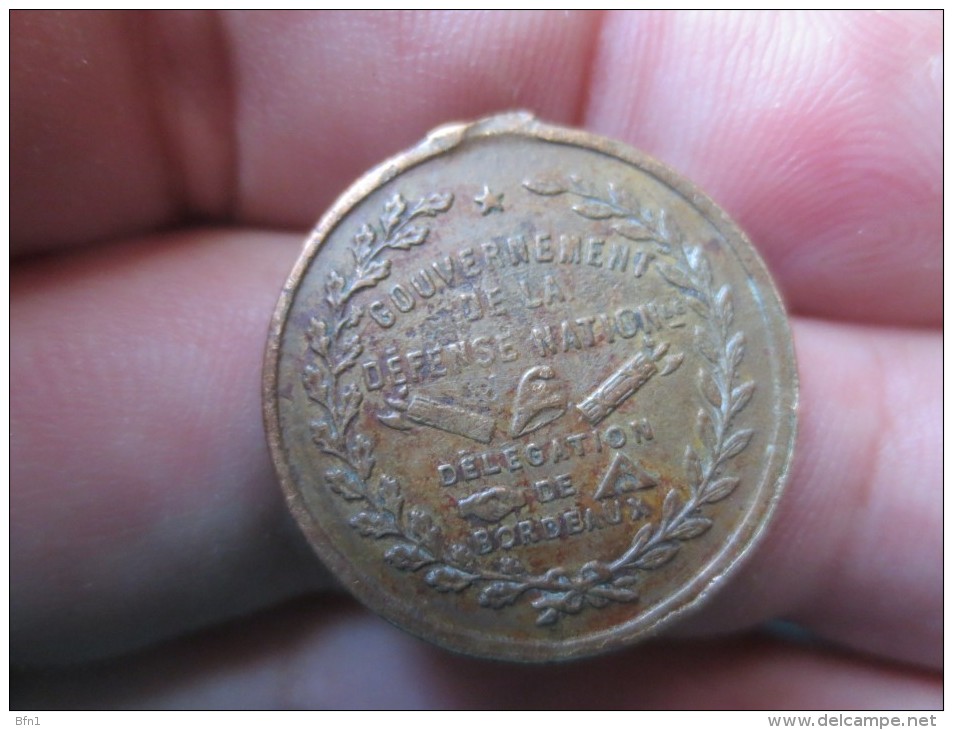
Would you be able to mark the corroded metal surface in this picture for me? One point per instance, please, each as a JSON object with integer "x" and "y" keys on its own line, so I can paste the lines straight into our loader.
{"x": 530, "y": 395}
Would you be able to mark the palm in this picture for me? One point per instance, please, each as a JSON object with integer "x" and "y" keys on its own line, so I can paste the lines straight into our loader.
{"x": 158, "y": 162}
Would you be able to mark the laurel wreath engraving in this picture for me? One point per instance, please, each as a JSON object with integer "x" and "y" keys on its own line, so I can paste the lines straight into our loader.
{"x": 419, "y": 542}
{"x": 336, "y": 350}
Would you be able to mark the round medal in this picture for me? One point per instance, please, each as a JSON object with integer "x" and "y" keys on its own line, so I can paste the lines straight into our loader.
{"x": 530, "y": 394}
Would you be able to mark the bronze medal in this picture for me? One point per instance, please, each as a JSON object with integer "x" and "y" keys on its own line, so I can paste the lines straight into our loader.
{"x": 530, "y": 395}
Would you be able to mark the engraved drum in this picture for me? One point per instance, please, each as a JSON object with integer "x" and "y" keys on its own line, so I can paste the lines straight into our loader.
{"x": 530, "y": 394}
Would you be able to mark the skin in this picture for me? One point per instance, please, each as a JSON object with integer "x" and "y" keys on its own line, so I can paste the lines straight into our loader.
{"x": 163, "y": 170}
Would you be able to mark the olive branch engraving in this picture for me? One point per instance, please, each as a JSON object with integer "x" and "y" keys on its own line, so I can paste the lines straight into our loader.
{"x": 336, "y": 347}
{"x": 419, "y": 542}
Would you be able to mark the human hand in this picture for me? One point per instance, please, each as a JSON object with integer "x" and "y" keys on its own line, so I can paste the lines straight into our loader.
{"x": 158, "y": 163}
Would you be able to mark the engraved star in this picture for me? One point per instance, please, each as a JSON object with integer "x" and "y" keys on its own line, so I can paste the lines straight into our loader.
{"x": 489, "y": 202}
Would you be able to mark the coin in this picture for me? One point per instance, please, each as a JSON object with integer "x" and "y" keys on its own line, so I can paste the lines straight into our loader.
{"x": 530, "y": 395}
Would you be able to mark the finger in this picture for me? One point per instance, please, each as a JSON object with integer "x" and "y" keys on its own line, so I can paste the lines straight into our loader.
{"x": 138, "y": 377}
{"x": 819, "y": 133}
{"x": 375, "y": 82}
{"x": 309, "y": 657}
{"x": 143, "y": 498}
{"x": 125, "y": 122}
{"x": 822, "y": 137}
{"x": 855, "y": 552}
{"x": 92, "y": 156}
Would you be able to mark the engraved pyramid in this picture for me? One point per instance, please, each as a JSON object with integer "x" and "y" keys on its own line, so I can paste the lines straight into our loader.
{"x": 624, "y": 475}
